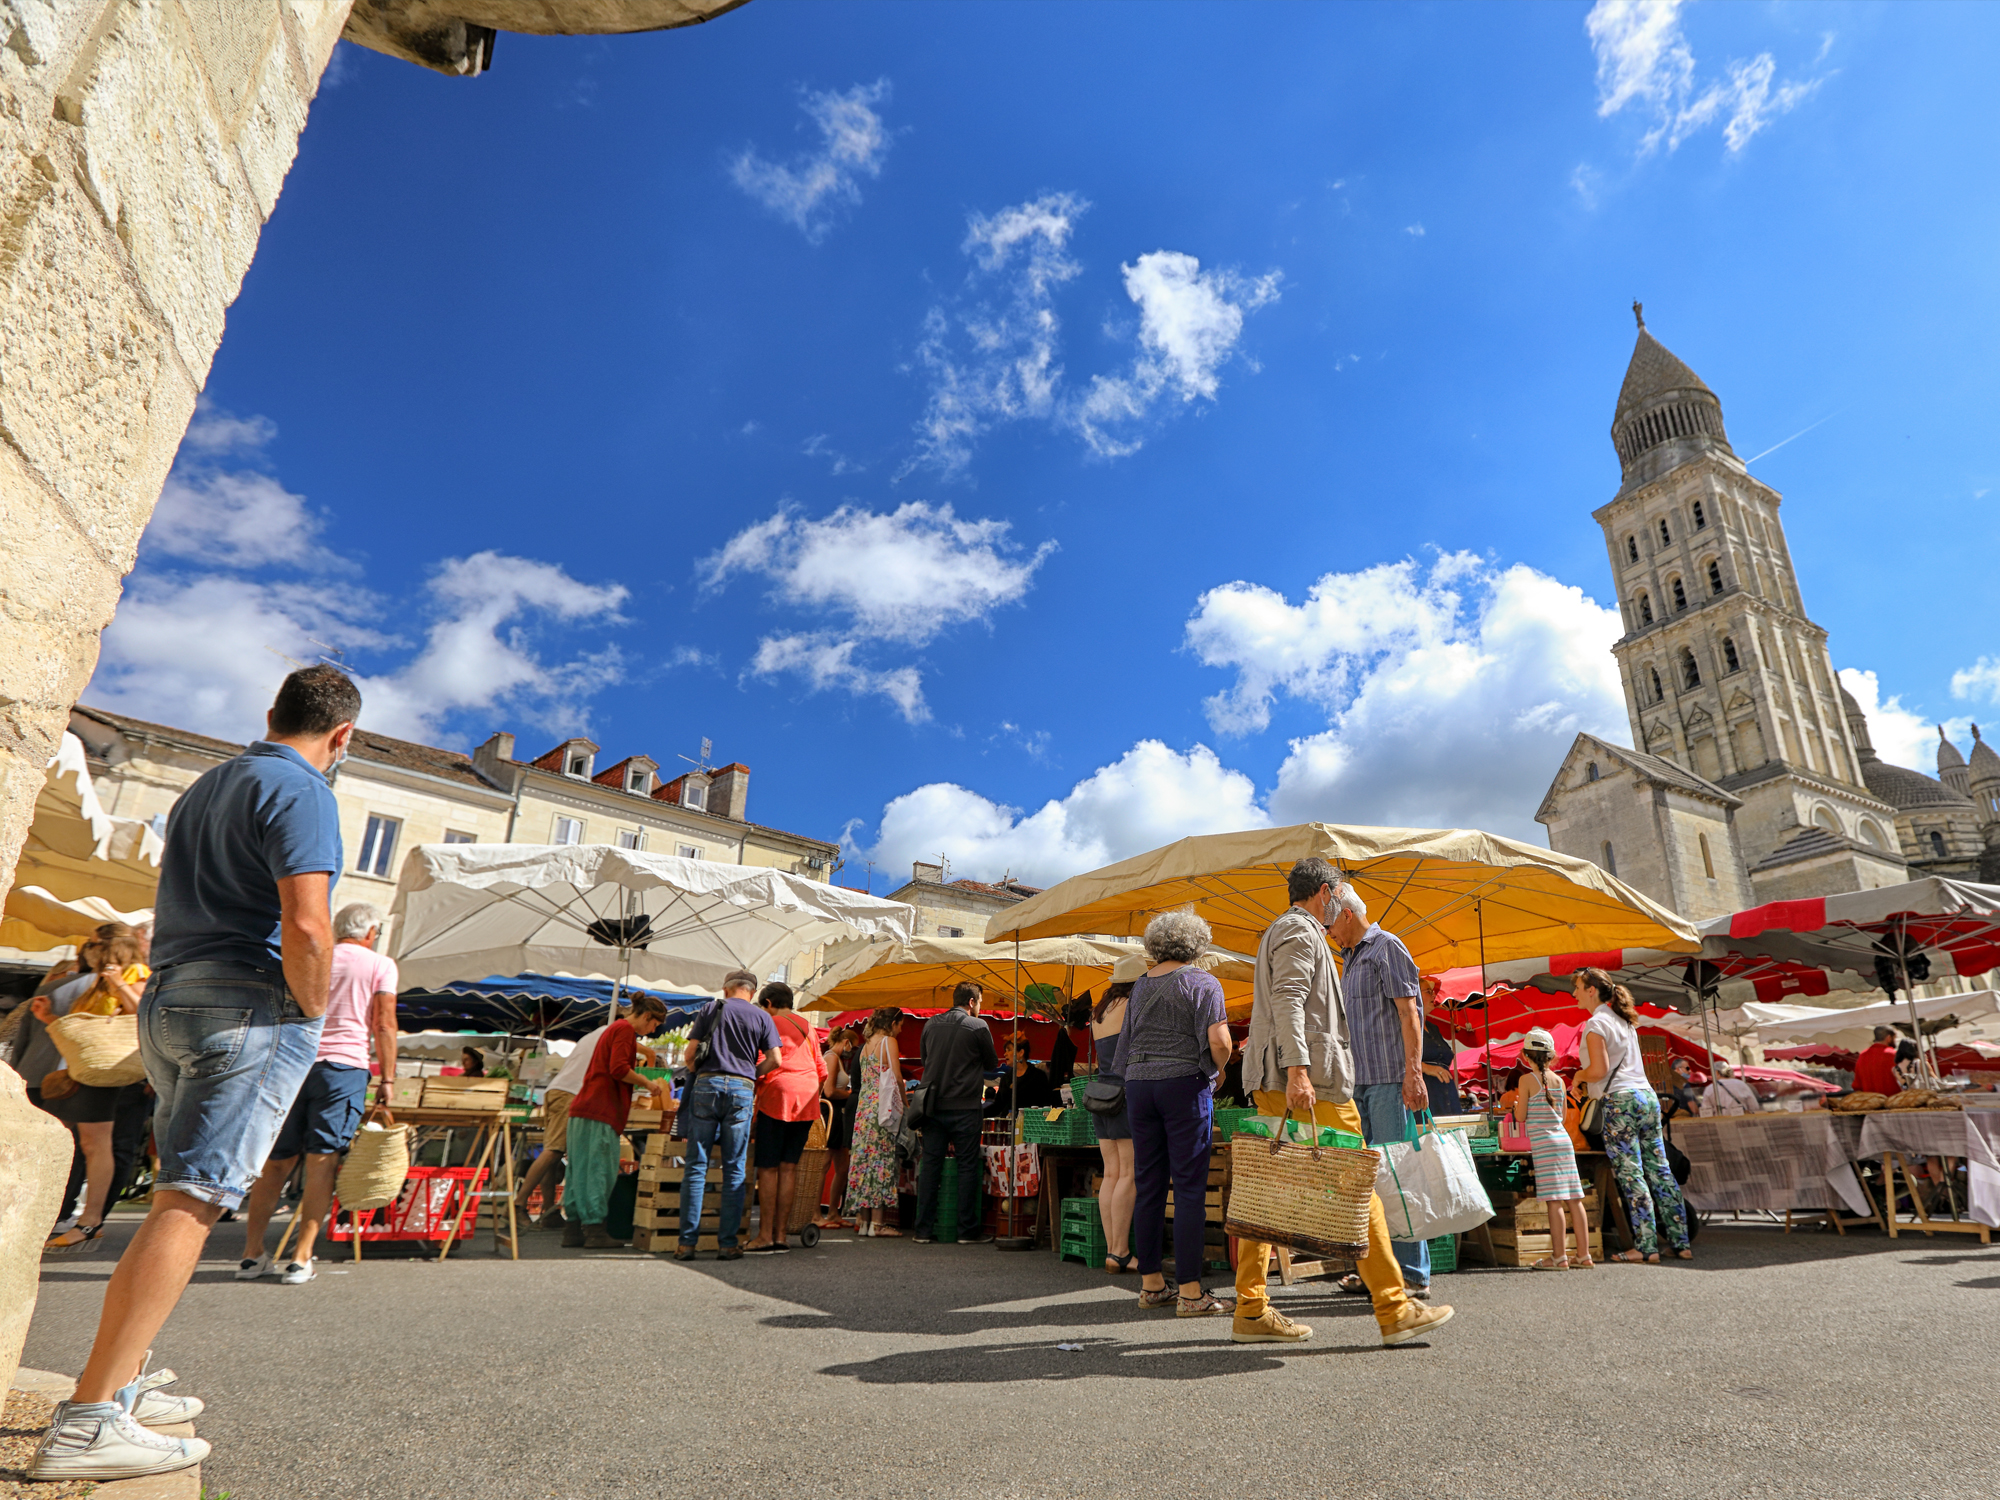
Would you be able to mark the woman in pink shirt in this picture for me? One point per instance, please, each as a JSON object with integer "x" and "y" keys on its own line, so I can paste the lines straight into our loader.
{"x": 787, "y": 1104}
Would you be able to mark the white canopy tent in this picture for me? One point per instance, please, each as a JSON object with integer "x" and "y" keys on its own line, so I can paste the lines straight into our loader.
{"x": 79, "y": 865}
{"x": 1851, "y": 1030}
{"x": 467, "y": 910}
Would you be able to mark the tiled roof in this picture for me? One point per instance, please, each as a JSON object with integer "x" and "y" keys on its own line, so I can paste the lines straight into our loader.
{"x": 124, "y": 723}
{"x": 1654, "y": 370}
{"x": 427, "y": 760}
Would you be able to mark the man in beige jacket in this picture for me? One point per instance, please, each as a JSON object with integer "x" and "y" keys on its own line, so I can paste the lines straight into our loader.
{"x": 1297, "y": 1058}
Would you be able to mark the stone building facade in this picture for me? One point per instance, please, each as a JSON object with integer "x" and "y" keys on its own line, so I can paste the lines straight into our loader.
{"x": 1726, "y": 677}
{"x": 1946, "y": 825}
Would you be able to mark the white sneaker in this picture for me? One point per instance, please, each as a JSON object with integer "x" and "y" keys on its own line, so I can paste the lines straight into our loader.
{"x": 298, "y": 1273}
{"x": 252, "y": 1270}
{"x": 153, "y": 1407}
{"x": 99, "y": 1440}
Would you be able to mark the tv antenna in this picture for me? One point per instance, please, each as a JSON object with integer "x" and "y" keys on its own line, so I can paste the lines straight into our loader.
{"x": 700, "y": 764}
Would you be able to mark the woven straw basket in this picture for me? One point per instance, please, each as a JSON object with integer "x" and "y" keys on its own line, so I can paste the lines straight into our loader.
{"x": 377, "y": 1162}
{"x": 1304, "y": 1197}
{"x": 101, "y": 1051}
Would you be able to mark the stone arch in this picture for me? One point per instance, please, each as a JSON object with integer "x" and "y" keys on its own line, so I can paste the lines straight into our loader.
{"x": 1690, "y": 669}
{"x": 1871, "y": 834}
{"x": 1645, "y": 606}
{"x": 1825, "y": 817}
{"x": 1731, "y": 662}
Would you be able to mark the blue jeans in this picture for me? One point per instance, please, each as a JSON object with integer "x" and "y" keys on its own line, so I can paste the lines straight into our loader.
{"x": 1385, "y": 1118}
{"x": 718, "y": 1120}
{"x": 225, "y": 1048}
{"x": 960, "y": 1131}
{"x": 1172, "y": 1125}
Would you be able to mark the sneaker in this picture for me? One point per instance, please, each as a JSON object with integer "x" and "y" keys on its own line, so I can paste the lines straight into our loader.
{"x": 925, "y": 1239}
{"x": 99, "y": 1440}
{"x": 977, "y": 1237}
{"x": 253, "y": 1270}
{"x": 298, "y": 1273}
{"x": 1415, "y": 1322}
{"x": 1273, "y": 1327}
{"x": 153, "y": 1407}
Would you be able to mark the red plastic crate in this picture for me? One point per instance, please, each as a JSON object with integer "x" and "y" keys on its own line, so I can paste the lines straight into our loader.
{"x": 424, "y": 1210}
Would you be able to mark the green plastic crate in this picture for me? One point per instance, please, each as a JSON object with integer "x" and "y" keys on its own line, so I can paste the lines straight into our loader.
{"x": 1444, "y": 1254}
{"x": 1227, "y": 1121}
{"x": 1066, "y": 1127}
{"x": 946, "y": 1228}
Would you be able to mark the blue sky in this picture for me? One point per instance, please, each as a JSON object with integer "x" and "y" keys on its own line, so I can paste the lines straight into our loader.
{"x": 1030, "y": 434}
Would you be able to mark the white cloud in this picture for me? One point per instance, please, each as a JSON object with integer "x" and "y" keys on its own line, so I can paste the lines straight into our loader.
{"x": 838, "y": 463}
{"x": 1189, "y": 323}
{"x": 215, "y": 431}
{"x": 1980, "y": 680}
{"x": 1150, "y": 796}
{"x": 1643, "y": 59}
{"x": 902, "y": 577}
{"x": 1451, "y": 693}
{"x": 237, "y": 519}
{"x": 1414, "y": 229}
{"x": 1901, "y": 736}
{"x": 809, "y": 193}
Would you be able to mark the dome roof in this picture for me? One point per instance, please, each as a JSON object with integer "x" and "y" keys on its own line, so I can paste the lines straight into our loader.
{"x": 1660, "y": 401}
{"x": 1948, "y": 757}
{"x": 1906, "y": 790}
{"x": 1984, "y": 762}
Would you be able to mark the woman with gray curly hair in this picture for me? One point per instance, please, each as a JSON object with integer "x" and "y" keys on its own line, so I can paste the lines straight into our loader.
{"x": 1174, "y": 1043}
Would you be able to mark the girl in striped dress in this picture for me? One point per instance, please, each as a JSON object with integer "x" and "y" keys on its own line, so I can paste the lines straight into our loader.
{"x": 1538, "y": 1109}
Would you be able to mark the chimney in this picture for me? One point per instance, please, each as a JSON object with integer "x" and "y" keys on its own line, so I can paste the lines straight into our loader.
{"x": 729, "y": 791}
{"x": 931, "y": 873}
{"x": 486, "y": 759}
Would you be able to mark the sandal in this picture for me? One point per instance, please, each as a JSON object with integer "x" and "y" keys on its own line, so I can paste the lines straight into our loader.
{"x": 1686, "y": 1252}
{"x": 888, "y": 1231}
{"x": 1582, "y": 1263}
{"x": 1551, "y": 1263}
{"x": 1119, "y": 1265}
{"x": 1632, "y": 1258}
{"x": 1352, "y": 1283}
{"x": 1164, "y": 1296}
{"x": 1207, "y": 1305}
{"x": 82, "y": 1237}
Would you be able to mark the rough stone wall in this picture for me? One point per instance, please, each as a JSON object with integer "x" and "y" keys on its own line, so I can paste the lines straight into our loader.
{"x": 142, "y": 147}
{"x": 34, "y": 1165}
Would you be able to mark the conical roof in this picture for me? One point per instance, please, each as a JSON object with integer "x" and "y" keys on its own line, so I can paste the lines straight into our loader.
{"x": 1948, "y": 757}
{"x": 1654, "y": 371}
{"x": 1665, "y": 414}
{"x": 1984, "y": 762}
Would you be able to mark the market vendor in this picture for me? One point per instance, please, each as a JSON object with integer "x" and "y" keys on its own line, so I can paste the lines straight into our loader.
{"x": 1022, "y": 1085}
{"x": 1875, "y": 1068}
{"x": 597, "y": 1119}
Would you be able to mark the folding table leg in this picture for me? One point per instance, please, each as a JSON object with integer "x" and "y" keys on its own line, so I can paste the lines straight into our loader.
{"x": 471, "y": 1187}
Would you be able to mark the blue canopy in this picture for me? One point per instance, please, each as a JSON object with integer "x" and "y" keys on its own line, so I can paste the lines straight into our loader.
{"x": 533, "y": 1004}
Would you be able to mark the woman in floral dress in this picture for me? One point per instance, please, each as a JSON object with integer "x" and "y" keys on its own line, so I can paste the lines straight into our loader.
{"x": 871, "y": 1175}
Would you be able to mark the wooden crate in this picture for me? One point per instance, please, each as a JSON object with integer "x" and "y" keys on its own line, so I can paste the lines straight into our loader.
{"x": 1536, "y": 1218}
{"x": 662, "y": 1241}
{"x": 1519, "y": 1248}
{"x": 670, "y": 1218}
{"x": 465, "y": 1093}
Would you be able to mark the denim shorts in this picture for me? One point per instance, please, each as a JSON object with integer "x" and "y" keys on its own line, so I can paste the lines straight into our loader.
{"x": 225, "y": 1048}
{"x": 327, "y": 1112}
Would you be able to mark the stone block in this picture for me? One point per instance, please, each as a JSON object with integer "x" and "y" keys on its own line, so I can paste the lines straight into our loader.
{"x": 316, "y": 26}
{"x": 34, "y": 1166}
{"x": 163, "y": 174}
{"x": 232, "y": 42}
{"x": 268, "y": 141}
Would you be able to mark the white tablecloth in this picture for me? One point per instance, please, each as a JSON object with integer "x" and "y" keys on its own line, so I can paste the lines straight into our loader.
{"x": 1773, "y": 1162}
{"x": 1973, "y": 1134}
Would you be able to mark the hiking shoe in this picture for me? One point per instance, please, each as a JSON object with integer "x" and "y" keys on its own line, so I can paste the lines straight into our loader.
{"x": 253, "y": 1270}
{"x": 595, "y": 1238}
{"x": 1271, "y": 1327}
{"x": 1414, "y": 1322}
{"x": 99, "y": 1440}
{"x": 153, "y": 1407}
{"x": 683, "y": 1252}
{"x": 299, "y": 1272}
{"x": 573, "y": 1236}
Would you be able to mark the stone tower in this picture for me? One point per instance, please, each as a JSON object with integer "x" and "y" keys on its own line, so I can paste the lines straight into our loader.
{"x": 1724, "y": 673}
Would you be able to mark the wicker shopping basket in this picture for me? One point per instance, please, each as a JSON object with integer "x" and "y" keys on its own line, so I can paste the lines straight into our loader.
{"x": 101, "y": 1051}
{"x": 1299, "y": 1194}
{"x": 377, "y": 1162}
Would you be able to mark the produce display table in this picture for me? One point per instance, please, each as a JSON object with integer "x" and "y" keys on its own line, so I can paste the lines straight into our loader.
{"x": 493, "y": 1132}
{"x": 1776, "y": 1163}
{"x": 1897, "y": 1134}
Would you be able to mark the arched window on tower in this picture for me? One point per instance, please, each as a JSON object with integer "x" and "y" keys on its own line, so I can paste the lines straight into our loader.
{"x": 1690, "y": 673}
{"x": 1632, "y": 548}
{"x": 1680, "y": 594}
{"x": 1730, "y": 661}
{"x": 1707, "y": 861}
{"x": 1714, "y": 576}
{"x": 1700, "y": 523}
{"x": 1937, "y": 844}
{"x": 1666, "y": 536}
{"x": 1610, "y": 861}
{"x": 1645, "y": 609}
{"x": 1659, "y": 692}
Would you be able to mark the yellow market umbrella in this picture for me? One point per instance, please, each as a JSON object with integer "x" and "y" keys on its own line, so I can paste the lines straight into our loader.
{"x": 76, "y": 852}
{"x": 1233, "y": 969}
{"x": 36, "y": 921}
{"x": 1454, "y": 896}
{"x": 923, "y": 972}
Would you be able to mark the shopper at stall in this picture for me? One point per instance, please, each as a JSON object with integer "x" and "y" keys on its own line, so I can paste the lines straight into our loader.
{"x": 1727, "y": 1094}
{"x": 1297, "y": 1057}
{"x": 957, "y": 1054}
{"x": 1118, "y": 1191}
{"x": 1615, "y": 1071}
{"x": 228, "y": 1028}
{"x": 1875, "y": 1068}
{"x": 839, "y": 1090}
{"x": 1440, "y": 1058}
{"x": 597, "y": 1119}
{"x": 788, "y": 1099}
{"x": 1063, "y": 1052}
{"x": 547, "y": 1171}
{"x": 1174, "y": 1041}
{"x": 1540, "y": 1101}
{"x": 878, "y": 1115}
{"x": 730, "y": 1045}
{"x": 1379, "y": 981}
{"x": 1022, "y": 1085}
{"x": 471, "y": 1063}
{"x": 360, "y": 1010}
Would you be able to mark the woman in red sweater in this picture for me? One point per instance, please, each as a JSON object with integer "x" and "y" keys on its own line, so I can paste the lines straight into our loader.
{"x": 601, "y": 1107}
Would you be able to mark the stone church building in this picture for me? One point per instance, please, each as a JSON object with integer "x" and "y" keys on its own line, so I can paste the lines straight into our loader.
{"x": 1754, "y": 779}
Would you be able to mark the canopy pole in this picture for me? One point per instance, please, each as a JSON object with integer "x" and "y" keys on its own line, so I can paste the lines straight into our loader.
{"x": 1011, "y": 1164}
{"x": 1479, "y": 916}
{"x": 1926, "y": 1073}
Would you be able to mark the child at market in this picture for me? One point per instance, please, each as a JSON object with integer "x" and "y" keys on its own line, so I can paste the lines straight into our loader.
{"x": 1538, "y": 1107}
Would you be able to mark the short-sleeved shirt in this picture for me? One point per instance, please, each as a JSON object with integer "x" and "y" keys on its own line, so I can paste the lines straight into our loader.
{"x": 1875, "y": 1069}
{"x": 234, "y": 834}
{"x": 605, "y": 1096}
{"x": 1167, "y": 1021}
{"x": 738, "y": 1034}
{"x": 359, "y": 975}
{"x": 1621, "y": 1050}
{"x": 1375, "y": 973}
{"x": 569, "y": 1077}
{"x": 790, "y": 1091}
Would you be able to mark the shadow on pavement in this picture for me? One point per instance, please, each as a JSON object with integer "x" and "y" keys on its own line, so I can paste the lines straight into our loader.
{"x": 998, "y": 1364}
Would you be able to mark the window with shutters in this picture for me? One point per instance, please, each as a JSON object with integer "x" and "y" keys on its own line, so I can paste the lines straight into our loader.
{"x": 566, "y": 831}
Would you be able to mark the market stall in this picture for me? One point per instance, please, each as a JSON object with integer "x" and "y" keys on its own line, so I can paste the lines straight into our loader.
{"x": 1779, "y": 1163}
{"x": 1972, "y": 1135}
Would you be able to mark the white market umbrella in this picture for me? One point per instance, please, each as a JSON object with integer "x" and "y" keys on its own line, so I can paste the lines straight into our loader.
{"x": 467, "y": 910}
{"x": 79, "y": 865}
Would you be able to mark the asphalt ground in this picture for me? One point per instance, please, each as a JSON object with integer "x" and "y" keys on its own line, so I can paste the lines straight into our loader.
{"x": 1800, "y": 1365}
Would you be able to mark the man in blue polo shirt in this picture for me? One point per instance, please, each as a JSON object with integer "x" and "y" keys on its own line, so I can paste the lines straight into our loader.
{"x": 228, "y": 1028}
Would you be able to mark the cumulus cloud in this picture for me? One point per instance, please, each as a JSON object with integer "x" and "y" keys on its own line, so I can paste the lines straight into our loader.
{"x": 900, "y": 577}
{"x": 1900, "y": 735}
{"x": 994, "y": 355}
{"x": 1980, "y": 680}
{"x": 232, "y": 516}
{"x": 1451, "y": 692}
{"x": 810, "y": 192}
{"x": 1644, "y": 61}
{"x": 1151, "y": 796}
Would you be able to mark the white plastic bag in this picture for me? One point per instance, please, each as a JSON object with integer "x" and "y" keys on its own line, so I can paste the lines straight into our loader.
{"x": 1430, "y": 1187}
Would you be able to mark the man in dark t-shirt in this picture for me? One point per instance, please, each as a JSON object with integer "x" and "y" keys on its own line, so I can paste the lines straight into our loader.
{"x": 958, "y": 1053}
{"x": 729, "y": 1045}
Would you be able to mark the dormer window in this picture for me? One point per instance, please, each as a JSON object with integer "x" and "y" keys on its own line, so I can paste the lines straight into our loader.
{"x": 1645, "y": 610}
{"x": 694, "y": 794}
{"x": 1680, "y": 595}
{"x": 639, "y": 780}
{"x": 1700, "y": 517}
{"x": 1714, "y": 576}
{"x": 577, "y": 763}
{"x": 1632, "y": 549}
{"x": 1666, "y": 536}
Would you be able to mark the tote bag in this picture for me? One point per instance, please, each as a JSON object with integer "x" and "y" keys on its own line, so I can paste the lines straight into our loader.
{"x": 101, "y": 1051}
{"x": 1429, "y": 1186}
